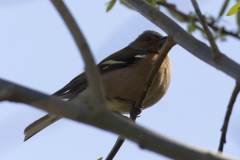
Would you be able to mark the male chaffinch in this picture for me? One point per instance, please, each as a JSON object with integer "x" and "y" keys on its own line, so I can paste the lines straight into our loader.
{"x": 123, "y": 75}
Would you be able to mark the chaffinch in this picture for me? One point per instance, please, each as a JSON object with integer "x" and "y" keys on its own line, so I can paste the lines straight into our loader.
{"x": 123, "y": 75}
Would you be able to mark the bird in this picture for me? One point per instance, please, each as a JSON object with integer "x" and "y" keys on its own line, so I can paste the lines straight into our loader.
{"x": 123, "y": 75}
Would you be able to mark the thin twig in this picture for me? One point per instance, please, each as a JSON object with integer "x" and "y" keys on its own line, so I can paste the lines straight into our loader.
{"x": 227, "y": 116}
{"x": 94, "y": 81}
{"x": 185, "y": 17}
{"x": 157, "y": 64}
{"x": 173, "y": 8}
{"x": 117, "y": 144}
{"x": 139, "y": 103}
{"x": 215, "y": 50}
{"x": 116, "y": 148}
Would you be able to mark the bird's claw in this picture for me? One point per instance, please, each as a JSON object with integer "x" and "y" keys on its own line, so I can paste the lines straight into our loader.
{"x": 135, "y": 112}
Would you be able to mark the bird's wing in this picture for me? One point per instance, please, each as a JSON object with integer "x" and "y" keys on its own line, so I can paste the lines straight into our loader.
{"x": 69, "y": 91}
{"x": 123, "y": 58}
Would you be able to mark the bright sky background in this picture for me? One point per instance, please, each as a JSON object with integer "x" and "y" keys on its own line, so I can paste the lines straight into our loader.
{"x": 38, "y": 52}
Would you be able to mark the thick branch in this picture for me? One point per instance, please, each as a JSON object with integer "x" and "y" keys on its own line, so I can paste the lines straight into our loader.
{"x": 184, "y": 39}
{"x": 94, "y": 80}
{"x": 15, "y": 93}
{"x": 215, "y": 50}
{"x": 105, "y": 120}
{"x": 227, "y": 116}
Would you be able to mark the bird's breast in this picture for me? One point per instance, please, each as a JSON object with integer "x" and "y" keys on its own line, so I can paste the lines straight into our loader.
{"x": 128, "y": 83}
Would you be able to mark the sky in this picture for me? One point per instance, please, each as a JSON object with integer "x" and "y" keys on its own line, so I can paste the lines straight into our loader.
{"x": 38, "y": 52}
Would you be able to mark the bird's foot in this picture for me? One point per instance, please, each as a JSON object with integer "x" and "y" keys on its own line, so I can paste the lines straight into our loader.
{"x": 135, "y": 112}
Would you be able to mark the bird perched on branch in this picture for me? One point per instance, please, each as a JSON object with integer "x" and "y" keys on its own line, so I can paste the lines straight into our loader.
{"x": 123, "y": 74}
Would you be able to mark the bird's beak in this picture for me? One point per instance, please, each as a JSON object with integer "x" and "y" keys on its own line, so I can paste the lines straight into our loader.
{"x": 162, "y": 40}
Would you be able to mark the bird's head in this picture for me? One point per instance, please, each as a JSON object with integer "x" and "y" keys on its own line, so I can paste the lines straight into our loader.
{"x": 149, "y": 41}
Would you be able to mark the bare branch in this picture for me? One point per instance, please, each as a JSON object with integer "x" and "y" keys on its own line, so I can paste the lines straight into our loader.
{"x": 173, "y": 8}
{"x": 227, "y": 116}
{"x": 215, "y": 51}
{"x": 162, "y": 55}
{"x": 184, "y": 39}
{"x": 15, "y": 93}
{"x": 116, "y": 148}
{"x": 6, "y": 93}
{"x": 145, "y": 138}
{"x": 117, "y": 144}
{"x": 94, "y": 80}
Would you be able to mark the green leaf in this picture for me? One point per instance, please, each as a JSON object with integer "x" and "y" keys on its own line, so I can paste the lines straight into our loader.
{"x": 100, "y": 158}
{"x": 223, "y": 8}
{"x": 234, "y": 9}
{"x": 110, "y": 5}
{"x": 222, "y": 37}
{"x": 153, "y": 3}
{"x": 199, "y": 28}
{"x": 191, "y": 28}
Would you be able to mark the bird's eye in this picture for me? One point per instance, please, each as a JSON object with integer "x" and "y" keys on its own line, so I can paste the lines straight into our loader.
{"x": 149, "y": 39}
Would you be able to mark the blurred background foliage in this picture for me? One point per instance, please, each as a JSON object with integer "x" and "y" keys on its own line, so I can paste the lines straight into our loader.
{"x": 219, "y": 31}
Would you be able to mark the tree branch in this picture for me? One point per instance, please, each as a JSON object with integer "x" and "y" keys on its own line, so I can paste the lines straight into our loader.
{"x": 162, "y": 55}
{"x": 184, "y": 39}
{"x": 227, "y": 116}
{"x": 16, "y": 93}
{"x": 115, "y": 148}
{"x": 215, "y": 50}
{"x": 106, "y": 120}
{"x": 94, "y": 81}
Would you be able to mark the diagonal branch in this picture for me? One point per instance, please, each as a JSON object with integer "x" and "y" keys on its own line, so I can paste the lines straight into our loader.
{"x": 215, "y": 51}
{"x": 94, "y": 80}
{"x": 162, "y": 55}
{"x": 227, "y": 116}
{"x": 184, "y": 39}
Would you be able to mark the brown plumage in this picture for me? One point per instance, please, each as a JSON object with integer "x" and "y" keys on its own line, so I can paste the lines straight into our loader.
{"x": 123, "y": 75}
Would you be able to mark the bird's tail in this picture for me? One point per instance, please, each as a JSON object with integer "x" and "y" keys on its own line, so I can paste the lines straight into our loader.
{"x": 38, "y": 125}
